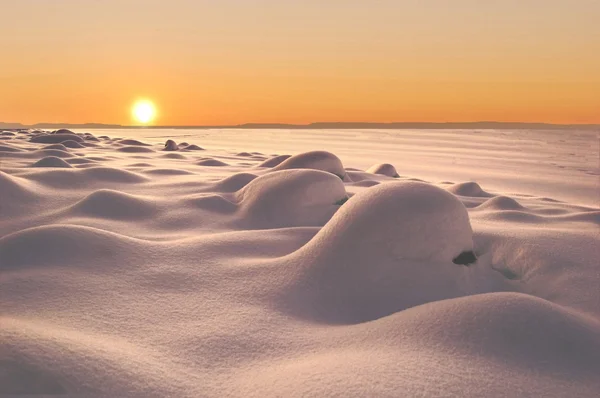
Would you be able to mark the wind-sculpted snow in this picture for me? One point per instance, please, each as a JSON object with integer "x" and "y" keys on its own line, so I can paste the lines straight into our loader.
{"x": 55, "y": 138}
{"x": 389, "y": 248}
{"x": 15, "y": 191}
{"x": 61, "y": 245}
{"x": 385, "y": 169}
{"x": 60, "y": 147}
{"x": 317, "y": 160}
{"x": 106, "y": 203}
{"x": 291, "y": 198}
{"x": 72, "y": 144}
{"x": 128, "y": 269}
{"x": 274, "y": 161}
{"x": 7, "y": 148}
{"x": 234, "y": 182}
{"x": 132, "y": 142}
{"x": 468, "y": 189}
{"x": 51, "y": 161}
{"x": 501, "y": 203}
{"x": 410, "y": 220}
{"x": 211, "y": 162}
{"x": 135, "y": 149}
{"x": 192, "y": 147}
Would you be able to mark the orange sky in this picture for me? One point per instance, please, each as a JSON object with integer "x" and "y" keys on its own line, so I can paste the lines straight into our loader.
{"x": 238, "y": 61}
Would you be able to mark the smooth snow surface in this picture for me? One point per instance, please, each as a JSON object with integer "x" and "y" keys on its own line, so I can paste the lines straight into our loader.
{"x": 210, "y": 263}
{"x": 385, "y": 169}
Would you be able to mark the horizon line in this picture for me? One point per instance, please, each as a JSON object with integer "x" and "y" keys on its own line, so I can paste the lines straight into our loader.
{"x": 481, "y": 124}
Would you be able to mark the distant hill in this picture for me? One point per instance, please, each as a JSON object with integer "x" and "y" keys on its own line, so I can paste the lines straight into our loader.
{"x": 5, "y": 125}
{"x": 425, "y": 125}
{"x": 326, "y": 125}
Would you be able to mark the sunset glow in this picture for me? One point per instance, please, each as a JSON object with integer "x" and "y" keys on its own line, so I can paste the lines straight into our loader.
{"x": 237, "y": 61}
{"x": 143, "y": 111}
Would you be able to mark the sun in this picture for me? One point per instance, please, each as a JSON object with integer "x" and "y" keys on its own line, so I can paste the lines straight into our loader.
{"x": 143, "y": 111}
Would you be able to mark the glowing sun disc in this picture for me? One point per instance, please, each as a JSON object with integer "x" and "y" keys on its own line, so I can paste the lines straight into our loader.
{"x": 143, "y": 111}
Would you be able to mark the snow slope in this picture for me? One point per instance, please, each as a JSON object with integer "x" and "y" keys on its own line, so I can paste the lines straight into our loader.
{"x": 460, "y": 263}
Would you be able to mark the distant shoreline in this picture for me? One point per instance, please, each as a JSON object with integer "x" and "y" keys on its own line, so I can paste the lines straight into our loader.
{"x": 324, "y": 125}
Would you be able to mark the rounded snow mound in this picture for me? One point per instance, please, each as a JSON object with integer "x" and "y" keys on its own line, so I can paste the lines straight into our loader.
{"x": 57, "y": 138}
{"x": 51, "y": 161}
{"x": 365, "y": 183}
{"x": 213, "y": 203}
{"x": 72, "y": 144}
{"x": 539, "y": 331}
{"x": 132, "y": 142}
{"x": 406, "y": 220}
{"x": 113, "y": 175}
{"x": 488, "y": 339}
{"x": 385, "y": 169}
{"x": 291, "y": 198}
{"x": 62, "y": 131}
{"x": 234, "y": 183}
{"x": 106, "y": 203}
{"x": 211, "y": 162}
{"x": 316, "y": 160}
{"x": 140, "y": 164}
{"x": 80, "y": 161}
{"x": 52, "y": 152}
{"x": 18, "y": 377}
{"x": 14, "y": 189}
{"x": 468, "y": 189}
{"x": 59, "y": 147}
{"x": 167, "y": 172}
{"x": 171, "y": 145}
{"x": 501, "y": 203}
{"x": 135, "y": 149}
{"x": 6, "y": 148}
{"x": 173, "y": 156}
{"x": 193, "y": 147}
{"x": 274, "y": 161}
{"x": 389, "y": 248}
{"x": 61, "y": 244}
